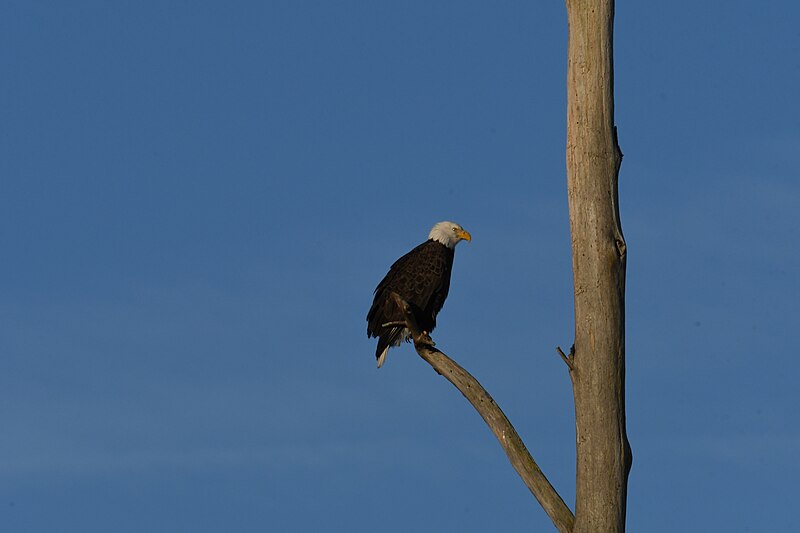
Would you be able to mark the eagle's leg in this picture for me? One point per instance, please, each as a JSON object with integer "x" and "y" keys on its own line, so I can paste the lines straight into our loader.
{"x": 419, "y": 336}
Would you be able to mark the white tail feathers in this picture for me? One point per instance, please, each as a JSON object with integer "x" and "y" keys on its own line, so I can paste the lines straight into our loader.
{"x": 382, "y": 358}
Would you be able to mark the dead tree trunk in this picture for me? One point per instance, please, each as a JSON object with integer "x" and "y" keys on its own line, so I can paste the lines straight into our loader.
{"x": 597, "y": 361}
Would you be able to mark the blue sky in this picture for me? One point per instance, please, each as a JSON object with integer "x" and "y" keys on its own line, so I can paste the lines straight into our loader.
{"x": 197, "y": 200}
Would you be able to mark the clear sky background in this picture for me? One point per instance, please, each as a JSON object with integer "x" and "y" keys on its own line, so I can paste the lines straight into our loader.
{"x": 198, "y": 198}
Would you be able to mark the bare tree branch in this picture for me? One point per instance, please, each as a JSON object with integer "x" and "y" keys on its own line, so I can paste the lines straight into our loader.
{"x": 567, "y": 360}
{"x": 497, "y": 421}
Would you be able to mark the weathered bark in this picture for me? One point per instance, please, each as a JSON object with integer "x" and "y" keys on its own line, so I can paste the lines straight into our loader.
{"x": 598, "y": 261}
{"x": 497, "y": 421}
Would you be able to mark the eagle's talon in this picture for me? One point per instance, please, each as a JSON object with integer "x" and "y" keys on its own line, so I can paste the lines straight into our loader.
{"x": 425, "y": 338}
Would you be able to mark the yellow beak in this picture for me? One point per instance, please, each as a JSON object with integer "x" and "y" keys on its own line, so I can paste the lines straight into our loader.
{"x": 464, "y": 234}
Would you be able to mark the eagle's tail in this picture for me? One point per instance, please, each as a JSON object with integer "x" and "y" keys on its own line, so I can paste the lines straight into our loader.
{"x": 382, "y": 356}
{"x": 392, "y": 337}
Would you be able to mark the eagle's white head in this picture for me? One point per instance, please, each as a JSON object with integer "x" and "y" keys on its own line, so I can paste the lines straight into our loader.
{"x": 449, "y": 234}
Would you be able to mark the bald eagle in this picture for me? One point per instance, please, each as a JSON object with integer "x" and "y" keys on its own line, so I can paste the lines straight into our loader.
{"x": 421, "y": 278}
